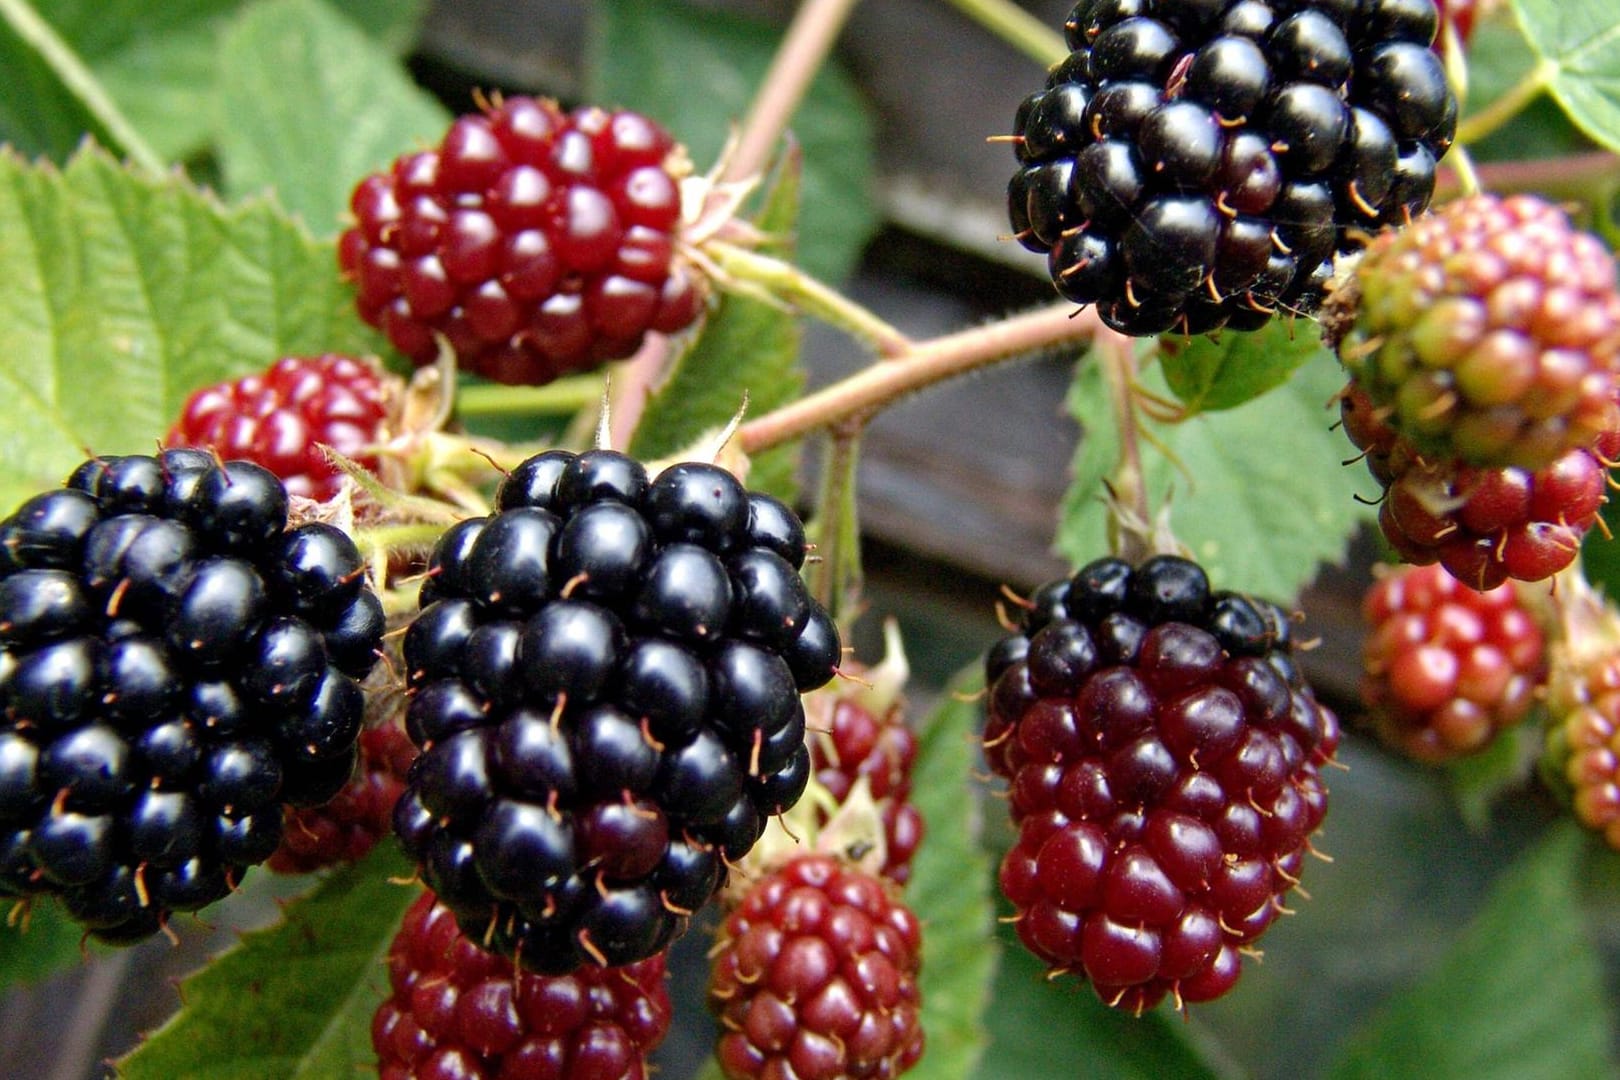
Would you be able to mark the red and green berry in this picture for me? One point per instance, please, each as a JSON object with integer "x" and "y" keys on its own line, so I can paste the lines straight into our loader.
{"x": 1447, "y": 667}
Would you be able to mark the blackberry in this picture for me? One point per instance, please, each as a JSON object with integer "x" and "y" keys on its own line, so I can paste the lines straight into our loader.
{"x": 454, "y": 1010}
{"x": 1483, "y": 525}
{"x": 537, "y": 242}
{"x": 1446, "y": 667}
{"x": 1163, "y": 756}
{"x": 605, "y": 679}
{"x": 1190, "y": 167}
{"x": 815, "y": 976}
{"x": 1488, "y": 332}
{"x": 177, "y": 664}
{"x": 281, "y": 417}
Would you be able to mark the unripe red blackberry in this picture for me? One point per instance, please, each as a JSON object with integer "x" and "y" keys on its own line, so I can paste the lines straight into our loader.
{"x": 1163, "y": 755}
{"x": 280, "y": 418}
{"x": 815, "y": 977}
{"x": 605, "y": 679}
{"x": 456, "y": 1011}
{"x": 176, "y": 666}
{"x": 1581, "y": 761}
{"x": 1483, "y": 525}
{"x": 859, "y": 731}
{"x": 537, "y": 242}
{"x": 1488, "y": 332}
{"x": 345, "y": 829}
{"x": 1446, "y": 667}
{"x": 1193, "y": 166}
{"x": 1460, "y": 15}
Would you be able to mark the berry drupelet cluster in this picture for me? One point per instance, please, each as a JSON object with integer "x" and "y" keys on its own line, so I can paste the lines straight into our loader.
{"x": 345, "y": 829}
{"x": 1447, "y": 667}
{"x": 537, "y": 242}
{"x": 1163, "y": 755}
{"x": 176, "y": 665}
{"x": 456, "y": 1012}
{"x": 605, "y": 679}
{"x": 281, "y": 417}
{"x": 815, "y": 977}
{"x": 1487, "y": 332}
{"x": 1196, "y": 164}
{"x": 1484, "y": 525}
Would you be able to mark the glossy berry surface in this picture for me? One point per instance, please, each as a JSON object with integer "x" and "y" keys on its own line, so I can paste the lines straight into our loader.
{"x": 1488, "y": 332}
{"x": 177, "y": 665}
{"x": 1483, "y": 525}
{"x": 538, "y": 242}
{"x": 456, "y": 1011}
{"x": 281, "y": 417}
{"x": 851, "y": 742}
{"x": 1446, "y": 667}
{"x": 1163, "y": 757}
{"x": 604, "y": 682}
{"x": 345, "y": 829}
{"x": 815, "y": 976}
{"x": 1194, "y": 166}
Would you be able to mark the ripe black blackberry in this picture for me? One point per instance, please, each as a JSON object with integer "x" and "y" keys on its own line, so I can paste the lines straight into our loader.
{"x": 176, "y": 665}
{"x": 605, "y": 679}
{"x": 1163, "y": 757}
{"x": 1198, "y": 165}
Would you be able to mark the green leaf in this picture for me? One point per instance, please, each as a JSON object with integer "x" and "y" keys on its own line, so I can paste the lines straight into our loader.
{"x": 1518, "y": 997}
{"x": 1258, "y": 493}
{"x": 42, "y": 942}
{"x": 294, "y": 1000}
{"x": 950, "y": 891}
{"x": 314, "y": 106}
{"x": 123, "y": 294}
{"x": 1580, "y": 43}
{"x": 158, "y": 59}
{"x": 1036, "y": 1024}
{"x": 745, "y": 346}
{"x": 1498, "y": 58}
{"x": 695, "y": 70}
{"x": 1210, "y": 374}
{"x": 1600, "y": 551}
{"x": 1479, "y": 780}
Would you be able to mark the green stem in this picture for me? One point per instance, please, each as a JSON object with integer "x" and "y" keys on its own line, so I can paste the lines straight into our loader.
{"x": 1583, "y": 177}
{"x": 1467, "y": 176}
{"x": 835, "y": 576}
{"x": 395, "y": 537}
{"x": 1016, "y": 27}
{"x": 59, "y": 56}
{"x": 785, "y": 282}
{"x": 1499, "y": 112}
{"x": 558, "y": 398}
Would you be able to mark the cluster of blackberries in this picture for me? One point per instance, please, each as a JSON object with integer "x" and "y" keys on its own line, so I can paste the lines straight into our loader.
{"x": 1194, "y": 165}
{"x": 537, "y": 242}
{"x": 605, "y": 679}
{"x": 176, "y": 664}
{"x": 1163, "y": 754}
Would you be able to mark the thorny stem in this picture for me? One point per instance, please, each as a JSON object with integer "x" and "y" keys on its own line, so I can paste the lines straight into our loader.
{"x": 786, "y": 282}
{"x": 633, "y": 383}
{"x": 1499, "y": 112}
{"x": 805, "y": 46}
{"x": 1016, "y": 27}
{"x": 1462, "y": 163}
{"x": 59, "y": 56}
{"x": 836, "y": 574}
{"x": 921, "y": 364}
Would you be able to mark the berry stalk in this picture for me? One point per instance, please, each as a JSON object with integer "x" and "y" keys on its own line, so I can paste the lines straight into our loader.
{"x": 560, "y": 398}
{"x": 921, "y": 365}
{"x": 784, "y": 282}
{"x": 1500, "y": 113}
{"x": 803, "y": 50}
{"x": 1016, "y": 27}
